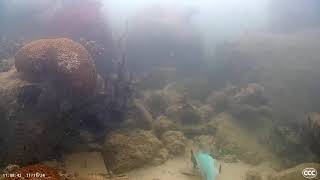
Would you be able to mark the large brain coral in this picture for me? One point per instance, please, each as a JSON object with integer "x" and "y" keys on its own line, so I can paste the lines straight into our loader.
{"x": 61, "y": 60}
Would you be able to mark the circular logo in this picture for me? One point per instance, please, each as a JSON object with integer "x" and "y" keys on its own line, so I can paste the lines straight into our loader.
{"x": 309, "y": 173}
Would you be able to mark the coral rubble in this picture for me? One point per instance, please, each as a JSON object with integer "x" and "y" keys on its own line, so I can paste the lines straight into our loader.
{"x": 43, "y": 172}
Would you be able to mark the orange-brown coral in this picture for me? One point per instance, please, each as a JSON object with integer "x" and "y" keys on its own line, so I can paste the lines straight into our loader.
{"x": 36, "y": 172}
{"x": 61, "y": 60}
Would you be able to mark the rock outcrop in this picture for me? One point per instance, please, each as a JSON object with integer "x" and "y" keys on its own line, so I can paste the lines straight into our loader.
{"x": 205, "y": 143}
{"x": 126, "y": 150}
{"x": 175, "y": 142}
{"x": 291, "y": 143}
{"x": 291, "y": 86}
{"x": 294, "y": 173}
{"x": 25, "y": 122}
{"x": 138, "y": 116}
{"x": 313, "y": 131}
{"x": 313, "y": 124}
{"x": 59, "y": 60}
{"x": 232, "y": 139}
{"x": 184, "y": 113}
{"x": 247, "y": 102}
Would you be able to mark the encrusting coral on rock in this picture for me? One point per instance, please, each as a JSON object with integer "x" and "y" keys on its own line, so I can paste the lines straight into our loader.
{"x": 125, "y": 150}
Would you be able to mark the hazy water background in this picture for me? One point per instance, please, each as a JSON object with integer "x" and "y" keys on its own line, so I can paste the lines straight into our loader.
{"x": 209, "y": 51}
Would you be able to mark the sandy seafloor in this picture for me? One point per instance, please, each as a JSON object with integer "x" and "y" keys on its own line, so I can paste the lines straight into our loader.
{"x": 171, "y": 170}
{"x": 86, "y": 164}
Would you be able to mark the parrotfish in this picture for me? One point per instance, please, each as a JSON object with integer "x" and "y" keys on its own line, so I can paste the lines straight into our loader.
{"x": 207, "y": 165}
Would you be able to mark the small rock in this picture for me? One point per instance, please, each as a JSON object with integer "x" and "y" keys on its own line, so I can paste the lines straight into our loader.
{"x": 253, "y": 175}
{"x": 206, "y": 111}
{"x": 11, "y": 168}
{"x": 95, "y": 147}
{"x": 204, "y": 142}
{"x": 156, "y": 102}
{"x": 183, "y": 113}
{"x": 229, "y": 159}
{"x": 86, "y": 136}
{"x": 161, "y": 125}
{"x": 253, "y": 158}
{"x": 6, "y": 64}
{"x": 52, "y": 163}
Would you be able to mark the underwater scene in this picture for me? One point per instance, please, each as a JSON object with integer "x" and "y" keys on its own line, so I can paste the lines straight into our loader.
{"x": 159, "y": 89}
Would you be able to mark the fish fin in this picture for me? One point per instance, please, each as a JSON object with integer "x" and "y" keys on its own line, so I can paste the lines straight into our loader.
{"x": 193, "y": 159}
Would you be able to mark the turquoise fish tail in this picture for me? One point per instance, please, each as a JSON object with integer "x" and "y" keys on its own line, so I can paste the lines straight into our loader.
{"x": 207, "y": 166}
